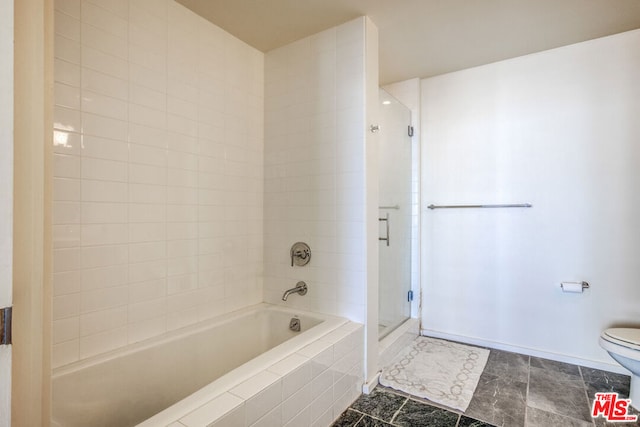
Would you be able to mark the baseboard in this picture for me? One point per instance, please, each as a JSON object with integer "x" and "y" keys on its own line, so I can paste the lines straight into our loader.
{"x": 527, "y": 351}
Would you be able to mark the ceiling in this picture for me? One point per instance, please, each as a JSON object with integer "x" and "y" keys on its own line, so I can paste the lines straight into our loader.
{"x": 424, "y": 38}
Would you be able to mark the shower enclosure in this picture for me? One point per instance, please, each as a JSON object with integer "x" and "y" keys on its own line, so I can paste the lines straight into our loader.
{"x": 394, "y": 214}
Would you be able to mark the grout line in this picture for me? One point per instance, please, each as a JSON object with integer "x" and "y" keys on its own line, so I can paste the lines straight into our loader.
{"x": 526, "y": 397}
{"x": 364, "y": 414}
{"x": 586, "y": 393}
{"x": 424, "y": 401}
{"x": 357, "y": 412}
{"x": 398, "y": 411}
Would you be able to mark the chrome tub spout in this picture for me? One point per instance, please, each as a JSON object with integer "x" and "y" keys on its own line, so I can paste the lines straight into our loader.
{"x": 301, "y": 289}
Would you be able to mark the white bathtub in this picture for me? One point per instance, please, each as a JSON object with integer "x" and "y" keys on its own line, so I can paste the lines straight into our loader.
{"x": 221, "y": 370}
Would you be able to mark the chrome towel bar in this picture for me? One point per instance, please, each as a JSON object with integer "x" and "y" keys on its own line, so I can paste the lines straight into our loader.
{"x": 520, "y": 205}
{"x": 389, "y": 207}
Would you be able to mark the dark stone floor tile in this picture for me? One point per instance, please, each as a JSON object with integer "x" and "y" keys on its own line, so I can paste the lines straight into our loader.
{"x": 539, "y": 418}
{"x": 554, "y": 366}
{"x": 512, "y": 387}
{"x": 348, "y": 418}
{"x": 622, "y": 391}
{"x": 601, "y": 422}
{"x": 381, "y": 387}
{"x": 561, "y": 400}
{"x": 498, "y": 400}
{"x": 368, "y": 421}
{"x": 603, "y": 381}
{"x": 417, "y": 414}
{"x": 557, "y": 379}
{"x": 592, "y": 375}
{"x": 379, "y": 404}
{"x": 507, "y": 364}
{"x": 417, "y": 398}
{"x": 470, "y": 422}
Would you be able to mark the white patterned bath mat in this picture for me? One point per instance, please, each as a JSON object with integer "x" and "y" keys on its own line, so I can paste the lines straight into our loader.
{"x": 441, "y": 371}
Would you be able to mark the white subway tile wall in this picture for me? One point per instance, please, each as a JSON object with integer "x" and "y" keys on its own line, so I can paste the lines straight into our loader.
{"x": 158, "y": 173}
{"x": 314, "y": 170}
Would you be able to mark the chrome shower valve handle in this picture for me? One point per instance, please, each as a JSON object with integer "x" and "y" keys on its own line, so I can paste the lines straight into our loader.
{"x": 300, "y": 254}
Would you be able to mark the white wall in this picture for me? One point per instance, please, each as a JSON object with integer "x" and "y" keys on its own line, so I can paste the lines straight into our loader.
{"x": 6, "y": 194}
{"x": 558, "y": 129}
{"x": 158, "y": 173}
{"x": 315, "y": 170}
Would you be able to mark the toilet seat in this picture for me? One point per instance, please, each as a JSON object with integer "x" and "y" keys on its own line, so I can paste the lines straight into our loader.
{"x": 627, "y": 337}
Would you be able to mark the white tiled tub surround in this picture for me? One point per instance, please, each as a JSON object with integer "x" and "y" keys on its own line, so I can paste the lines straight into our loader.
{"x": 158, "y": 173}
{"x": 315, "y": 169}
{"x": 277, "y": 378}
{"x": 158, "y": 195}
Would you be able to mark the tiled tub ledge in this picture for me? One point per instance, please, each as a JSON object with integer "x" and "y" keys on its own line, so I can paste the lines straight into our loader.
{"x": 310, "y": 387}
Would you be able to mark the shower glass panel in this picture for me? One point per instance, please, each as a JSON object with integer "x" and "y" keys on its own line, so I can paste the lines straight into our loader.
{"x": 394, "y": 214}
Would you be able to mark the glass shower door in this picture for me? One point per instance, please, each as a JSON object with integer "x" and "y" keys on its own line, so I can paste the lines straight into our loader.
{"x": 394, "y": 214}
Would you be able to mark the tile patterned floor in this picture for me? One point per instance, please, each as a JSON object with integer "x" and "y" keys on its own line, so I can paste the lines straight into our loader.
{"x": 514, "y": 391}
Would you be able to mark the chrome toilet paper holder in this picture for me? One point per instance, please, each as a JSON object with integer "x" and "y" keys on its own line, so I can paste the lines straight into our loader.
{"x": 585, "y": 285}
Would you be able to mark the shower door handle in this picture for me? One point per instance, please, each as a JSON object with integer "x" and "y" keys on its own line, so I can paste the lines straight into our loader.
{"x": 386, "y": 220}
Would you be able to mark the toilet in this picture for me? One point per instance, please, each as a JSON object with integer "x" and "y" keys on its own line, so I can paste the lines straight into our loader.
{"x": 623, "y": 344}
